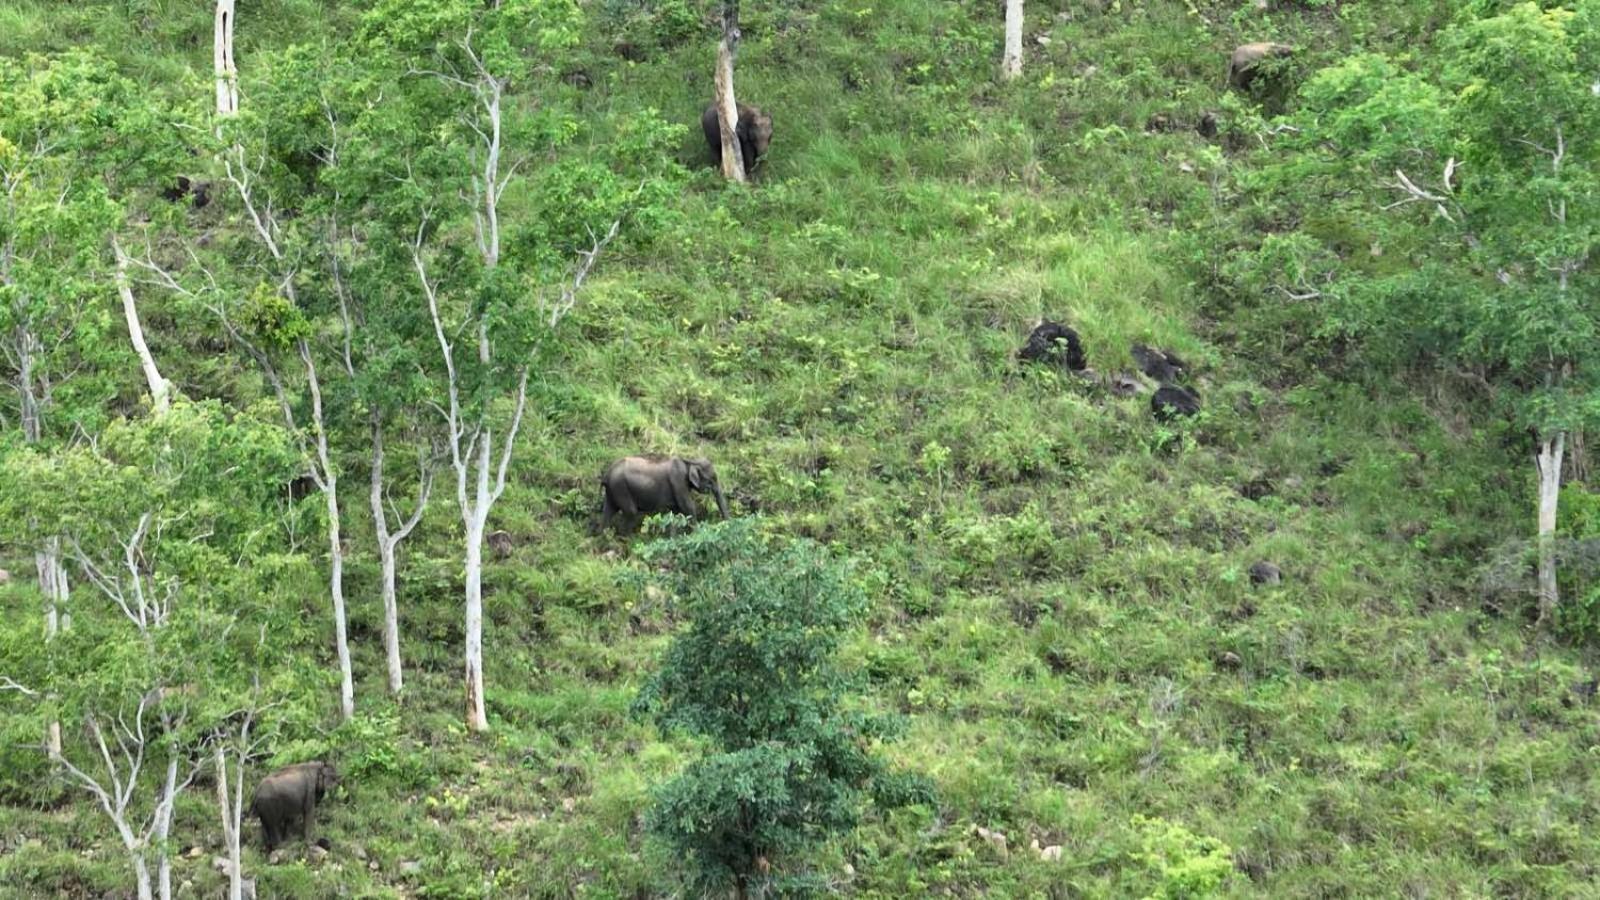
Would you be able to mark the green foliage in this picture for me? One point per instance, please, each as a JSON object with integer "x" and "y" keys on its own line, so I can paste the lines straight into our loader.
{"x": 1187, "y": 867}
{"x": 755, "y": 676}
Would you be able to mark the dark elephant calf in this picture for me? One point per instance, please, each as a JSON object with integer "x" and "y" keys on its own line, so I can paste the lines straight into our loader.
{"x": 288, "y": 794}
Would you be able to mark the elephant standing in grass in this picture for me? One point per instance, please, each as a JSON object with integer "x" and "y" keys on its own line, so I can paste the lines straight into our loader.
{"x": 637, "y": 486}
{"x": 753, "y": 130}
{"x": 288, "y": 794}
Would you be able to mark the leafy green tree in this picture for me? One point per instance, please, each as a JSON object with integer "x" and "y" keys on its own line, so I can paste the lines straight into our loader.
{"x": 156, "y": 516}
{"x": 1477, "y": 186}
{"x": 493, "y": 288}
{"x": 754, "y": 675}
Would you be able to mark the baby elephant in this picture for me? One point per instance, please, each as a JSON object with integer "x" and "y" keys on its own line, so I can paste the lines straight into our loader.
{"x": 288, "y": 794}
{"x": 754, "y": 131}
{"x": 640, "y": 485}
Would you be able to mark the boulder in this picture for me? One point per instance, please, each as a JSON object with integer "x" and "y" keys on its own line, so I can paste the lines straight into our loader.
{"x": 1056, "y": 345}
{"x": 1171, "y": 401}
{"x": 1265, "y": 573}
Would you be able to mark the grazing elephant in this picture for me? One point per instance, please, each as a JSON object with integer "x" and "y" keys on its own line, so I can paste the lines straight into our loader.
{"x": 754, "y": 132}
{"x": 1246, "y": 60}
{"x": 288, "y": 794}
{"x": 640, "y": 485}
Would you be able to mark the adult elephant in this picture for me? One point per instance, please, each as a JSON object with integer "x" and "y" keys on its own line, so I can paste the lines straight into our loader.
{"x": 641, "y": 485}
{"x": 754, "y": 131}
{"x": 288, "y": 794}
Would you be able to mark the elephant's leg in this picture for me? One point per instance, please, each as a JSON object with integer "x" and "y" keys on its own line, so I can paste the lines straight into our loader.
{"x": 269, "y": 836}
{"x": 308, "y": 807}
{"x": 607, "y": 510}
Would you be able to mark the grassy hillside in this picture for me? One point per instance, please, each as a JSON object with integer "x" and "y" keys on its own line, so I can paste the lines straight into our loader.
{"x": 1061, "y": 601}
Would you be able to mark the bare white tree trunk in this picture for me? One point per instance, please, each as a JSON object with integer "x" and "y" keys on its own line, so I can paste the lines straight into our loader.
{"x": 262, "y": 218}
{"x": 227, "y": 74}
{"x": 53, "y": 585}
{"x": 1011, "y": 62}
{"x": 160, "y": 388}
{"x": 52, "y": 574}
{"x": 477, "y": 718}
{"x": 328, "y": 481}
{"x": 389, "y": 539}
{"x": 480, "y": 466}
{"x": 232, "y": 815}
{"x": 1549, "y": 465}
{"x": 727, "y": 105}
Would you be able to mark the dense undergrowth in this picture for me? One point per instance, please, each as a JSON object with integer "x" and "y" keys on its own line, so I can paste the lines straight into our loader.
{"x": 1061, "y": 603}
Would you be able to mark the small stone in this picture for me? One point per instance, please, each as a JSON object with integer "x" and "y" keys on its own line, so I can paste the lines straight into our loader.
{"x": 193, "y": 853}
{"x": 654, "y": 594}
{"x": 568, "y": 804}
{"x": 316, "y": 854}
{"x": 995, "y": 839}
{"x": 1229, "y": 660}
{"x": 410, "y": 867}
{"x": 1186, "y": 168}
{"x": 1051, "y": 853}
{"x": 5, "y": 577}
{"x": 849, "y": 871}
{"x": 223, "y": 865}
{"x": 372, "y": 866}
{"x": 1265, "y": 573}
{"x": 359, "y": 852}
{"x": 275, "y": 857}
{"x": 1042, "y": 40}
{"x": 1125, "y": 385}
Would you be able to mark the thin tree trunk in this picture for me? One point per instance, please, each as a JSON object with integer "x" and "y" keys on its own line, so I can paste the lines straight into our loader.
{"x": 160, "y": 388}
{"x": 386, "y": 554}
{"x": 727, "y": 106}
{"x": 1549, "y": 465}
{"x": 47, "y": 559}
{"x": 141, "y": 875}
{"x": 53, "y": 585}
{"x": 1011, "y": 63}
{"x": 163, "y": 827}
{"x": 329, "y": 482}
{"x": 476, "y": 518}
{"x": 227, "y": 74}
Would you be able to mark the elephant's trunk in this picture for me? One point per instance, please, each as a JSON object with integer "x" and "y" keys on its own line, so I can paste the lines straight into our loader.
{"x": 722, "y": 504}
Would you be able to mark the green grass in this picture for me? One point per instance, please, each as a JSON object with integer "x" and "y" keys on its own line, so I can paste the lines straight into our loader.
{"x": 1057, "y": 578}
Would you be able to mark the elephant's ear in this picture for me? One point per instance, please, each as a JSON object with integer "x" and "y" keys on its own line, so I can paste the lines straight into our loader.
{"x": 699, "y": 477}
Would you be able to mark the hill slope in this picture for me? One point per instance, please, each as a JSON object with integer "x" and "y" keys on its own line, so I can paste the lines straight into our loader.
{"x": 1062, "y": 601}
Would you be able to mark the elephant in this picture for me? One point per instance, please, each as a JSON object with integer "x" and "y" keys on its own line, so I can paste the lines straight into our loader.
{"x": 640, "y": 485}
{"x": 288, "y": 794}
{"x": 1244, "y": 64}
{"x": 754, "y": 132}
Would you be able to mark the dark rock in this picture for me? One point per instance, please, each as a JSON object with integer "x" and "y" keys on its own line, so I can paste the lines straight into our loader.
{"x": 1207, "y": 126}
{"x": 1585, "y": 690}
{"x": 1158, "y": 123}
{"x": 1265, "y": 573}
{"x": 1158, "y": 364}
{"x": 1257, "y": 488}
{"x": 630, "y": 51}
{"x": 1229, "y": 660}
{"x": 1054, "y": 344}
{"x": 1171, "y": 401}
{"x": 579, "y": 79}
